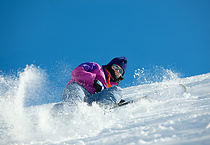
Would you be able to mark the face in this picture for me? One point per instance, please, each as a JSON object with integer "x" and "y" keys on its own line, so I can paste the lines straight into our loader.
{"x": 118, "y": 70}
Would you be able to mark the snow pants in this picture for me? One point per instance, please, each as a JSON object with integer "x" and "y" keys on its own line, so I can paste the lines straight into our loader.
{"x": 75, "y": 93}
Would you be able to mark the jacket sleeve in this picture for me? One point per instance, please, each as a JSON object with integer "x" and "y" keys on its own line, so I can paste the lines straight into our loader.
{"x": 86, "y": 73}
{"x": 83, "y": 73}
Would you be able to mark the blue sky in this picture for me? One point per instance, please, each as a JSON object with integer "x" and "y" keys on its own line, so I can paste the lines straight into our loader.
{"x": 167, "y": 33}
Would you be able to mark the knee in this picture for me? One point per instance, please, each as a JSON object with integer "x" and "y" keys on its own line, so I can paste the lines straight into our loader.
{"x": 112, "y": 95}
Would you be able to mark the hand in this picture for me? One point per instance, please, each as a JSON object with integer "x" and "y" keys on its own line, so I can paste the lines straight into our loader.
{"x": 98, "y": 85}
{"x": 122, "y": 101}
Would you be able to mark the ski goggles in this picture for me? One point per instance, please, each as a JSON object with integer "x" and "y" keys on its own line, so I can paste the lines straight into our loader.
{"x": 117, "y": 68}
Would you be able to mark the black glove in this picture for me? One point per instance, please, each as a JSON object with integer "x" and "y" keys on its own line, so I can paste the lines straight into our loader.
{"x": 98, "y": 85}
{"x": 122, "y": 101}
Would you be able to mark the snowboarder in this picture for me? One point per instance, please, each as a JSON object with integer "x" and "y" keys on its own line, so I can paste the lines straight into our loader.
{"x": 92, "y": 83}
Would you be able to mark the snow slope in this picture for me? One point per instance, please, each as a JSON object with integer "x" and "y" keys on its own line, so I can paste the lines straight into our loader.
{"x": 173, "y": 117}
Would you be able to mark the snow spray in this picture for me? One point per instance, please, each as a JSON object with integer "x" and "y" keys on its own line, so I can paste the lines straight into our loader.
{"x": 26, "y": 99}
{"x": 15, "y": 90}
{"x": 154, "y": 74}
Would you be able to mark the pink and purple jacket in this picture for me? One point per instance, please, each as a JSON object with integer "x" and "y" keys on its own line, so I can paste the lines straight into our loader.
{"x": 86, "y": 73}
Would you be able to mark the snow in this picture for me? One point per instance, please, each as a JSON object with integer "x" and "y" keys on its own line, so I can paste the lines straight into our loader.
{"x": 173, "y": 117}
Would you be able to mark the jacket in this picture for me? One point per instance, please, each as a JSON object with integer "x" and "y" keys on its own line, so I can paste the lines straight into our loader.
{"x": 86, "y": 73}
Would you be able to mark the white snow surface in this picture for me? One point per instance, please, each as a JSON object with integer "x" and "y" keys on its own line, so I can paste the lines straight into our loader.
{"x": 173, "y": 116}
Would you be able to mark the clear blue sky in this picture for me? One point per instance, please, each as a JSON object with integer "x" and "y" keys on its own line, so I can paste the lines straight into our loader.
{"x": 148, "y": 32}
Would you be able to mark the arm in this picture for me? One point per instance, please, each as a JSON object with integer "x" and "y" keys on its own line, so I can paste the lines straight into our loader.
{"x": 83, "y": 73}
{"x": 86, "y": 73}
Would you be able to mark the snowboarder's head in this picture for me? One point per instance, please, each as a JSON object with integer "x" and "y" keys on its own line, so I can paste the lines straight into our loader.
{"x": 117, "y": 68}
{"x": 120, "y": 61}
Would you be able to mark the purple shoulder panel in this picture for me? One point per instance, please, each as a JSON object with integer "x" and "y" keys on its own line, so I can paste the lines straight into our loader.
{"x": 89, "y": 66}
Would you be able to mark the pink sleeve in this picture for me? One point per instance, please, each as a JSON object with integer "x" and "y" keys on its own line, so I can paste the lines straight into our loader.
{"x": 85, "y": 75}
{"x": 79, "y": 74}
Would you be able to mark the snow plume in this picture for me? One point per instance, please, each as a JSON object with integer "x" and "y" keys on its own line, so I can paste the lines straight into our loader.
{"x": 153, "y": 75}
{"x": 16, "y": 92}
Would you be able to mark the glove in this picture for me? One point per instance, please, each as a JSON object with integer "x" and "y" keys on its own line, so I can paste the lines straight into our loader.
{"x": 122, "y": 101}
{"x": 98, "y": 85}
